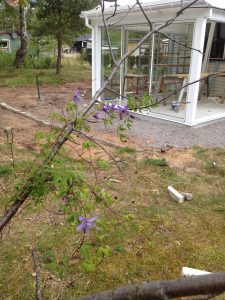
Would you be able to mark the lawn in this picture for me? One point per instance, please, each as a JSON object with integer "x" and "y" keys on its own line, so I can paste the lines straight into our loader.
{"x": 73, "y": 69}
{"x": 150, "y": 236}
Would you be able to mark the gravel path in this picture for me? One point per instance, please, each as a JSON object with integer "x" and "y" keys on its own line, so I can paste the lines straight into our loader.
{"x": 154, "y": 132}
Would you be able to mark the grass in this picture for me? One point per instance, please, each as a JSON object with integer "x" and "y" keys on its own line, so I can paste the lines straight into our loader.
{"x": 6, "y": 170}
{"x": 160, "y": 238}
{"x": 155, "y": 162}
{"x": 76, "y": 71}
{"x": 126, "y": 149}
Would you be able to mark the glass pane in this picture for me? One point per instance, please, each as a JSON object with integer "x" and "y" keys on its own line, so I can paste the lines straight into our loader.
{"x": 137, "y": 66}
{"x": 113, "y": 91}
{"x": 211, "y": 100}
{"x": 172, "y": 56}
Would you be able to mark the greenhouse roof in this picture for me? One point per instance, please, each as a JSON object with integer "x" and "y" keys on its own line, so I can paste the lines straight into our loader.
{"x": 125, "y": 5}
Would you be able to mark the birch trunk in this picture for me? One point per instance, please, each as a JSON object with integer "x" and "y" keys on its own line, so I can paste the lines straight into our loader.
{"x": 21, "y": 53}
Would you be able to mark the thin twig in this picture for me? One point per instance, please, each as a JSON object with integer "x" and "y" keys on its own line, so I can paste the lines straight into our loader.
{"x": 94, "y": 141}
{"x": 145, "y": 15}
{"x": 102, "y": 3}
{"x": 81, "y": 242}
{"x": 114, "y": 12}
{"x": 123, "y": 16}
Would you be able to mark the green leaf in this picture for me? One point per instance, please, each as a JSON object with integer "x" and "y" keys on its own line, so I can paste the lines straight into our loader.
{"x": 88, "y": 267}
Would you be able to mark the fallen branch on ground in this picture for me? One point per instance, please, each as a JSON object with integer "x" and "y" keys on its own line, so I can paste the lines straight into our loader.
{"x": 167, "y": 289}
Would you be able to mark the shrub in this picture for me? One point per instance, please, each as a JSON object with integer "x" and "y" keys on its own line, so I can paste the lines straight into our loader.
{"x": 40, "y": 62}
{"x": 6, "y": 59}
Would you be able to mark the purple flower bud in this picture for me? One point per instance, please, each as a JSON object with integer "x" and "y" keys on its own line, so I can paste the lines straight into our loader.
{"x": 77, "y": 96}
{"x": 96, "y": 115}
{"x": 121, "y": 110}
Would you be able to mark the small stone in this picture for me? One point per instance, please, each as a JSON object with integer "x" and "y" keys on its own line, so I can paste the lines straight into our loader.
{"x": 117, "y": 159}
{"x": 165, "y": 148}
{"x": 187, "y": 196}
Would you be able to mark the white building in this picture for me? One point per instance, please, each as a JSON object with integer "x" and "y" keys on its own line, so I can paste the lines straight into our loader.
{"x": 190, "y": 48}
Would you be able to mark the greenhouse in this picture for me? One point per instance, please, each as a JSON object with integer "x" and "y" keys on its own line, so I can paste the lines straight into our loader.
{"x": 180, "y": 66}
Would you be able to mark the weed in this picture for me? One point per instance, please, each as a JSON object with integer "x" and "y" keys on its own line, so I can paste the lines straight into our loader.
{"x": 211, "y": 168}
{"x": 103, "y": 164}
{"x": 219, "y": 152}
{"x": 6, "y": 170}
{"x": 201, "y": 153}
{"x": 155, "y": 162}
{"x": 169, "y": 173}
{"x": 126, "y": 150}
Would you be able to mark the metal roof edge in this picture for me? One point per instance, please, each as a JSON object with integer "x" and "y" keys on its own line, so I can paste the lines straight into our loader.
{"x": 156, "y": 5}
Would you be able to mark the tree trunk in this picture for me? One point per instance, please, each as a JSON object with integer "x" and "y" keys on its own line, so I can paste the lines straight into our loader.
{"x": 59, "y": 55}
{"x": 21, "y": 53}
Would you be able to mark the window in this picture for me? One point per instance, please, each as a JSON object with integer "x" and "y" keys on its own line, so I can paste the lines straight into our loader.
{"x": 3, "y": 44}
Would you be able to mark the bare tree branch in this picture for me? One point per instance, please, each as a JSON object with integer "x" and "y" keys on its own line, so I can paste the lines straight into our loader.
{"x": 183, "y": 87}
{"x": 180, "y": 43}
{"x": 20, "y": 197}
{"x": 102, "y": 3}
{"x": 167, "y": 289}
{"x": 115, "y": 9}
{"x": 123, "y": 16}
{"x": 145, "y": 15}
{"x": 126, "y": 55}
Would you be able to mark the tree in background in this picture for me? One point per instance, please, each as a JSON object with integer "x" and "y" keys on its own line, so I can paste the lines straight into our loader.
{"x": 22, "y": 51}
{"x": 8, "y": 18}
{"x": 60, "y": 19}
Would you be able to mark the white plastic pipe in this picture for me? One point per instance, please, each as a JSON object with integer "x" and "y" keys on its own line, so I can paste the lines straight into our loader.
{"x": 186, "y": 272}
{"x": 87, "y": 24}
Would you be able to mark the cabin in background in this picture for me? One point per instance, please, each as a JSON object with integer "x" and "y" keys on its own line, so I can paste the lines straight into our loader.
{"x": 9, "y": 42}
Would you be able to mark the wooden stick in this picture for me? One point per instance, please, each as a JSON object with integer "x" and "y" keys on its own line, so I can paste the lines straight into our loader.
{"x": 38, "y": 277}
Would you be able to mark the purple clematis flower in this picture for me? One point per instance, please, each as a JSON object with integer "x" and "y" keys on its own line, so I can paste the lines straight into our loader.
{"x": 86, "y": 225}
{"x": 121, "y": 110}
{"x": 77, "y": 96}
{"x": 96, "y": 115}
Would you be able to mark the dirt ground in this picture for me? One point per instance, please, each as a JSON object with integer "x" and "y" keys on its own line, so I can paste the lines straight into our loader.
{"x": 54, "y": 99}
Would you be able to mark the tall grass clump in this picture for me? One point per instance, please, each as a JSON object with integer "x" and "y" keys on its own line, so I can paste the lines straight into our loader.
{"x": 6, "y": 59}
